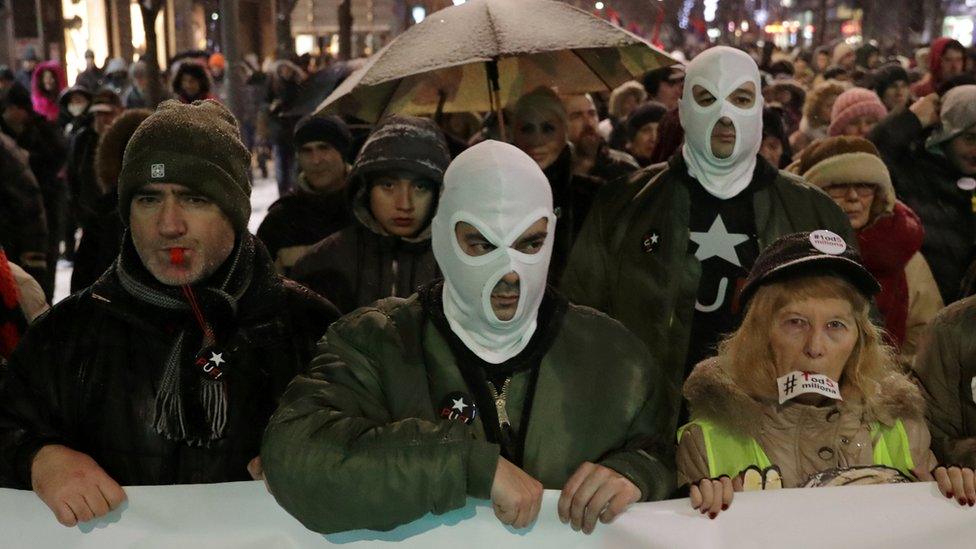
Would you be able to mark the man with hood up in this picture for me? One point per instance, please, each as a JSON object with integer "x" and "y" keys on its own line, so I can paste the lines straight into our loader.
{"x": 478, "y": 386}
{"x": 392, "y": 188}
{"x": 666, "y": 254}
{"x": 947, "y": 59}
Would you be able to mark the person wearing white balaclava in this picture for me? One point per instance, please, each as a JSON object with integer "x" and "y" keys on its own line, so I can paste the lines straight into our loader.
{"x": 519, "y": 198}
{"x": 479, "y": 384}
{"x": 720, "y": 72}
{"x": 666, "y": 253}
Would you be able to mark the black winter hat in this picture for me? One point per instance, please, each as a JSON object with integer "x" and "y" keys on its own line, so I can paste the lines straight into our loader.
{"x": 884, "y": 77}
{"x": 406, "y": 143}
{"x": 68, "y": 92}
{"x": 18, "y": 96}
{"x": 329, "y": 129}
{"x": 198, "y": 146}
{"x": 648, "y": 112}
{"x": 809, "y": 253}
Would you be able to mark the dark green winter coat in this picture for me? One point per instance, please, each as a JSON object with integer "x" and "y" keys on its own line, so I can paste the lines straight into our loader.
{"x": 651, "y": 288}
{"x": 359, "y": 442}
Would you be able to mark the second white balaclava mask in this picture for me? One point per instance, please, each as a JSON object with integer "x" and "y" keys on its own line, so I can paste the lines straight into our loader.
{"x": 721, "y": 70}
{"x": 501, "y": 191}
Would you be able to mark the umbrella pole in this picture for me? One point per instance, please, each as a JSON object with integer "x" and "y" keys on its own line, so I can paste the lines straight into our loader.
{"x": 494, "y": 96}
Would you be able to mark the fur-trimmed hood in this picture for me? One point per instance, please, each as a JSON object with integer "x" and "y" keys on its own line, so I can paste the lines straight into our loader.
{"x": 712, "y": 394}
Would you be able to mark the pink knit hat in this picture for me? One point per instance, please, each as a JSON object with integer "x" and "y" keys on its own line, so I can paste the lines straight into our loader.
{"x": 851, "y": 104}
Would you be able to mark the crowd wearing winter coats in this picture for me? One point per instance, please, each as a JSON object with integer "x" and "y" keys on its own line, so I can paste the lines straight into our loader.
{"x": 712, "y": 230}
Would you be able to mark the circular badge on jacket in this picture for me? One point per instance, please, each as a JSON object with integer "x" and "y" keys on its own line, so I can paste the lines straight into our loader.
{"x": 458, "y": 406}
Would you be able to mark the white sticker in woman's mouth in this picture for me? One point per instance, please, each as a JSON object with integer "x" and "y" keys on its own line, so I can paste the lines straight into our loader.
{"x": 828, "y": 242}
{"x": 799, "y": 383}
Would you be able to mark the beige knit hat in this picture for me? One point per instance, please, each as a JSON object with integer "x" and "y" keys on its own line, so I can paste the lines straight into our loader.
{"x": 841, "y": 160}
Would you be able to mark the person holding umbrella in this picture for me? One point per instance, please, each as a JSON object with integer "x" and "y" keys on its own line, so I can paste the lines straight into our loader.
{"x": 665, "y": 254}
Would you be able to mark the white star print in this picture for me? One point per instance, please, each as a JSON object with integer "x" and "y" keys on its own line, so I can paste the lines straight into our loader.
{"x": 459, "y": 404}
{"x": 655, "y": 238}
{"x": 718, "y": 242}
{"x": 217, "y": 358}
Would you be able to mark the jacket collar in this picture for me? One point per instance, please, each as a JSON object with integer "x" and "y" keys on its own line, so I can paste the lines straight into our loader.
{"x": 713, "y": 395}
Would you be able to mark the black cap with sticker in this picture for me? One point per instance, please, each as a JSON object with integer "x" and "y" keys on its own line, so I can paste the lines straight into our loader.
{"x": 809, "y": 253}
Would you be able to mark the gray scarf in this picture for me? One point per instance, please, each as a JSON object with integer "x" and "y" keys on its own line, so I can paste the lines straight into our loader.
{"x": 171, "y": 418}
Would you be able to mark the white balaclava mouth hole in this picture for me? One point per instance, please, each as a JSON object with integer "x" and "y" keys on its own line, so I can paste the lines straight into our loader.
{"x": 721, "y": 70}
{"x": 501, "y": 191}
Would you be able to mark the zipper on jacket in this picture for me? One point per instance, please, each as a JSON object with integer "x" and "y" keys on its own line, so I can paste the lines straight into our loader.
{"x": 500, "y": 401}
{"x": 396, "y": 269}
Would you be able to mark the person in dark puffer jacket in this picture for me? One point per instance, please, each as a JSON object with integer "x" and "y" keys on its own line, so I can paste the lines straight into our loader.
{"x": 931, "y": 171}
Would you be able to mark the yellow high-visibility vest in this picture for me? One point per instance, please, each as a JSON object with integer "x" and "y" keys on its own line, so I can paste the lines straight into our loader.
{"x": 730, "y": 453}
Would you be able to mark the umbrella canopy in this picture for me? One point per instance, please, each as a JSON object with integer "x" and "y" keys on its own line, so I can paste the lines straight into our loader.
{"x": 448, "y": 62}
{"x": 320, "y": 85}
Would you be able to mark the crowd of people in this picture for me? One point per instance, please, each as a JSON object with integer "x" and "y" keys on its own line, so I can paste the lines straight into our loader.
{"x": 750, "y": 271}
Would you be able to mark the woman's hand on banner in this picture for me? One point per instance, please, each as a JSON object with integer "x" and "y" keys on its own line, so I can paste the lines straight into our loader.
{"x": 711, "y": 496}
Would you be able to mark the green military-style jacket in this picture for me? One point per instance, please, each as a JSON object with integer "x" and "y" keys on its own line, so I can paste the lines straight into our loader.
{"x": 358, "y": 441}
{"x": 631, "y": 259}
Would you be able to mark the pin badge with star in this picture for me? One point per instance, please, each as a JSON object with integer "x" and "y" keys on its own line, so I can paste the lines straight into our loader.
{"x": 211, "y": 362}
{"x": 651, "y": 242}
{"x": 458, "y": 406}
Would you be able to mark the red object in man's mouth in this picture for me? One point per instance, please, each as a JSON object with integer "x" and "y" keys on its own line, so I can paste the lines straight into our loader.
{"x": 176, "y": 256}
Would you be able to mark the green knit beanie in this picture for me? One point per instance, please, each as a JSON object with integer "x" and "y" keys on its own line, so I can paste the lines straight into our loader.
{"x": 198, "y": 146}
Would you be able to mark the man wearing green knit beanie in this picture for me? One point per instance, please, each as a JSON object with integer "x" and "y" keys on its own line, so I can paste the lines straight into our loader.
{"x": 166, "y": 369}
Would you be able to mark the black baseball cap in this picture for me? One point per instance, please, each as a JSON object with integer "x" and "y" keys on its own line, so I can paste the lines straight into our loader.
{"x": 820, "y": 252}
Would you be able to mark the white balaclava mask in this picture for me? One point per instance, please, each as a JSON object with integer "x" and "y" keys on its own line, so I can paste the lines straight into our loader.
{"x": 501, "y": 191}
{"x": 721, "y": 70}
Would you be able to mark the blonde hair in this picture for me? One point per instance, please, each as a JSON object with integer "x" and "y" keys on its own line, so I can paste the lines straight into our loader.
{"x": 823, "y": 94}
{"x": 747, "y": 354}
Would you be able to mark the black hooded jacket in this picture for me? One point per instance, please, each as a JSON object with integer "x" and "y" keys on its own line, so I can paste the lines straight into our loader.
{"x": 362, "y": 263}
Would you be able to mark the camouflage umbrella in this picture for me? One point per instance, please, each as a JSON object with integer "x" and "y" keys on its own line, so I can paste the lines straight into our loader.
{"x": 484, "y": 54}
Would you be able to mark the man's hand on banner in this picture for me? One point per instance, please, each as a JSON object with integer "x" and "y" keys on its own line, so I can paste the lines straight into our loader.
{"x": 595, "y": 492}
{"x": 75, "y": 487}
{"x": 516, "y": 497}
{"x": 954, "y": 482}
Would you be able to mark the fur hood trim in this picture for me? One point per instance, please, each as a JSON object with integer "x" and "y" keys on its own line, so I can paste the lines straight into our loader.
{"x": 712, "y": 394}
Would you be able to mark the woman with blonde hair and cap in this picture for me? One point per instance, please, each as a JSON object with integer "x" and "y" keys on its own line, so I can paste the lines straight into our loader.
{"x": 805, "y": 393}
{"x": 889, "y": 234}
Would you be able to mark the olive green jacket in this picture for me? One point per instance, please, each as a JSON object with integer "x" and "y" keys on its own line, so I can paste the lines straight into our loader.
{"x": 651, "y": 287}
{"x": 946, "y": 366}
{"x": 357, "y": 441}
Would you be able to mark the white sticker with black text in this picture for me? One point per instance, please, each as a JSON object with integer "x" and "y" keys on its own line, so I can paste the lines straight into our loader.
{"x": 799, "y": 383}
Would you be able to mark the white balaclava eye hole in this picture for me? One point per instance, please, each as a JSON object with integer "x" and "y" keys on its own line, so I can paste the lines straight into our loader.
{"x": 721, "y": 70}
{"x": 499, "y": 190}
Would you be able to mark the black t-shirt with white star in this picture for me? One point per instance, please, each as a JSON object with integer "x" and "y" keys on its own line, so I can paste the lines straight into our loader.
{"x": 723, "y": 238}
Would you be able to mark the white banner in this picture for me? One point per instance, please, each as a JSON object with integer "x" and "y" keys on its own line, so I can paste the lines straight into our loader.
{"x": 242, "y": 516}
